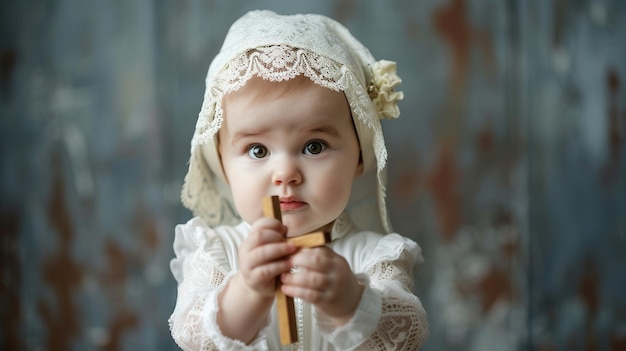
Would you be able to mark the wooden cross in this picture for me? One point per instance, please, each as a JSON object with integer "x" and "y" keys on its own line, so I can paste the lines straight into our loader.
{"x": 284, "y": 304}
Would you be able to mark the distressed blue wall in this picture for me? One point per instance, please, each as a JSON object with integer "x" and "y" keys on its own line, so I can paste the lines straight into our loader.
{"x": 508, "y": 164}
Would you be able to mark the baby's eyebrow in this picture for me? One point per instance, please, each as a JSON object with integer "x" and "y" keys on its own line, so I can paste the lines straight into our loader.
{"x": 247, "y": 134}
{"x": 251, "y": 133}
{"x": 330, "y": 130}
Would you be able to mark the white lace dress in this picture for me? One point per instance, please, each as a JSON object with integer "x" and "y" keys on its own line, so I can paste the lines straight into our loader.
{"x": 389, "y": 315}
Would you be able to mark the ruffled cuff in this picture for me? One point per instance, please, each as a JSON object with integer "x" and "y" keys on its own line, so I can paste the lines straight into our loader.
{"x": 361, "y": 326}
{"x": 215, "y": 334}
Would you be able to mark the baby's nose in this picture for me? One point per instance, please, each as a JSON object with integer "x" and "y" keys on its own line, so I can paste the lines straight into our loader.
{"x": 286, "y": 172}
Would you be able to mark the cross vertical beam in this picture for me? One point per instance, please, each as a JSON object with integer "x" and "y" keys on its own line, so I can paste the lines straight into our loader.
{"x": 284, "y": 304}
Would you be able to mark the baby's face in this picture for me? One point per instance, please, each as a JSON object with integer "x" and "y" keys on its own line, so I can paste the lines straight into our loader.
{"x": 294, "y": 140}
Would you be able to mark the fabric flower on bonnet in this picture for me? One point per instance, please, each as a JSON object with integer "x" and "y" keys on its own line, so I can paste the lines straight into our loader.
{"x": 381, "y": 89}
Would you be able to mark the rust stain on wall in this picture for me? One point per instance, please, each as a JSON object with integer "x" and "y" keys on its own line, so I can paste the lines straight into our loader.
{"x": 10, "y": 284}
{"x": 616, "y": 128}
{"x": 495, "y": 286}
{"x": 8, "y": 61}
{"x": 149, "y": 235}
{"x": 408, "y": 180}
{"x": 120, "y": 324}
{"x": 452, "y": 23}
{"x": 115, "y": 276}
{"x": 504, "y": 221}
{"x": 123, "y": 319}
{"x": 486, "y": 140}
{"x": 588, "y": 292}
{"x": 443, "y": 181}
{"x": 618, "y": 343}
{"x": 546, "y": 346}
{"x": 148, "y": 230}
{"x": 60, "y": 271}
{"x": 588, "y": 288}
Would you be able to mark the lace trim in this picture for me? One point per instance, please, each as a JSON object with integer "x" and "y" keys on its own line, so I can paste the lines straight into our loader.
{"x": 202, "y": 271}
{"x": 401, "y": 327}
{"x": 277, "y": 63}
{"x": 400, "y": 272}
{"x": 403, "y": 324}
{"x": 190, "y": 335}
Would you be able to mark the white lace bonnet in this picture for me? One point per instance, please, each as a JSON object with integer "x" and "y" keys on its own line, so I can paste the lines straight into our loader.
{"x": 278, "y": 48}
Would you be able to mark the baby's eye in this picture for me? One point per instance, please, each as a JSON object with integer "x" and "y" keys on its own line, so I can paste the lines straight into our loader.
{"x": 314, "y": 148}
{"x": 257, "y": 151}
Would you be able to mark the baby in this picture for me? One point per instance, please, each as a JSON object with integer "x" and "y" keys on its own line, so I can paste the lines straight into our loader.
{"x": 292, "y": 108}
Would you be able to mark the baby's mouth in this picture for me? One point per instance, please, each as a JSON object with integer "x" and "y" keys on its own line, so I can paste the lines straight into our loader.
{"x": 291, "y": 204}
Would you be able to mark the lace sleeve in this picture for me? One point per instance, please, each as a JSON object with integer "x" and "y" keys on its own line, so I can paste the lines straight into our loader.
{"x": 403, "y": 324}
{"x": 198, "y": 276}
{"x": 186, "y": 322}
{"x": 201, "y": 269}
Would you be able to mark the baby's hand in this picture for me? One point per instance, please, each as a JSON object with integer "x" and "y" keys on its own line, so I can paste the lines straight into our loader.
{"x": 264, "y": 255}
{"x": 324, "y": 279}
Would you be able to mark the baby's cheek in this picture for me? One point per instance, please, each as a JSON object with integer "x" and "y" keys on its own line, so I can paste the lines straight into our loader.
{"x": 245, "y": 206}
{"x": 338, "y": 196}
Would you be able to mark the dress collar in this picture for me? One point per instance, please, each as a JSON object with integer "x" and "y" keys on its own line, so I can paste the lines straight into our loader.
{"x": 343, "y": 225}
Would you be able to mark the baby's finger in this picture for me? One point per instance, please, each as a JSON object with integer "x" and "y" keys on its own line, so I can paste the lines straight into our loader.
{"x": 266, "y": 230}
{"x": 261, "y": 274}
{"x": 312, "y": 296}
{"x": 267, "y": 253}
{"x": 308, "y": 279}
{"x": 320, "y": 259}
{"x": 267, "y": 222}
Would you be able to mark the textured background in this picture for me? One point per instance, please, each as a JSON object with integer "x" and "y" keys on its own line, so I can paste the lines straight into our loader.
{"x": 508, "y": 164}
